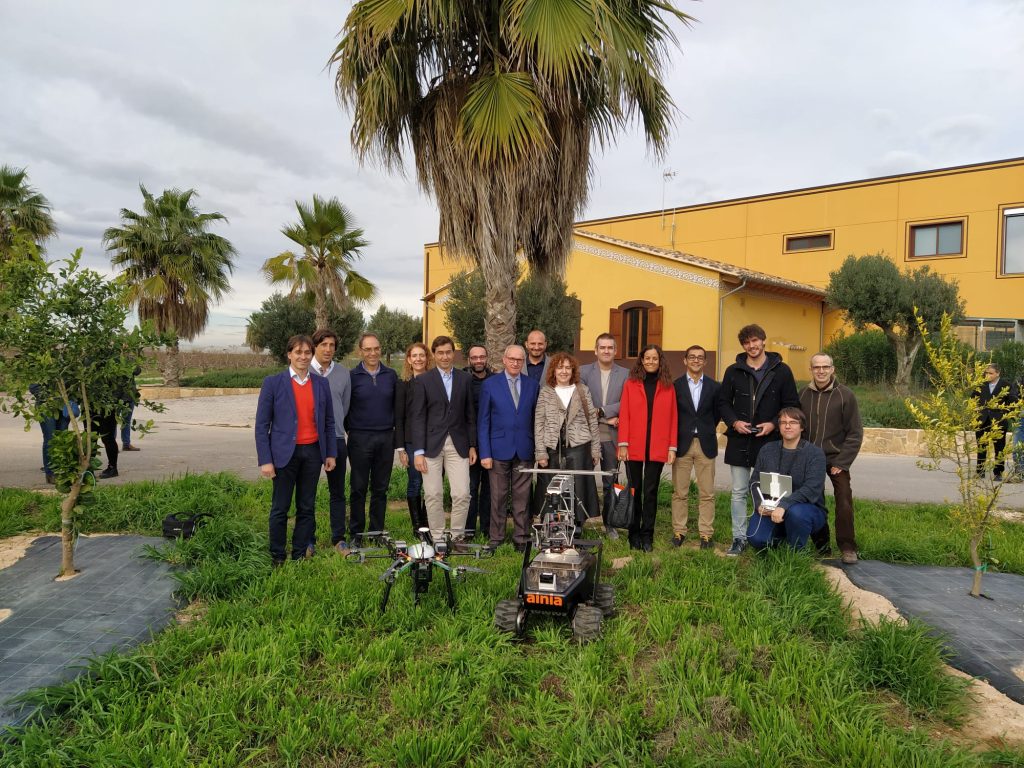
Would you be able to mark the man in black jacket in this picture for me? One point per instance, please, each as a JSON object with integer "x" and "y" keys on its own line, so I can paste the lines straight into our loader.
{"x": 443, "y": 429}
{"x": 754, "y": 389}
{"x": 697, "y": 405}
{"x": 479, "y": 478}
{"x": 995, "y": 393}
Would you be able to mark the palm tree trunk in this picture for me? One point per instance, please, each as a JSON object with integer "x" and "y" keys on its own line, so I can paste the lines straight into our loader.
{"x": 172, "y": 366}
{"x": 500, "y": 306}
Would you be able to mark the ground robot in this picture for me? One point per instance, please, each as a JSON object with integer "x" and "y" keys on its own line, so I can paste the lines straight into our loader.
{"x": 561, "y": 574}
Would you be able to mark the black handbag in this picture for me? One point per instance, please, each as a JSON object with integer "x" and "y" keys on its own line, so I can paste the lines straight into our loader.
{"x": 183, "y": 527}
{"x": 621, "y": 513}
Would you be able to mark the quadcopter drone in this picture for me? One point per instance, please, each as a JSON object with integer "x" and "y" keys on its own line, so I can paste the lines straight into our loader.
{"x": 418, "y": 560}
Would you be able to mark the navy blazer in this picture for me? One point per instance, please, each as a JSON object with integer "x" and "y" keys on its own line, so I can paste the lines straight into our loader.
{"x": 434, "y": 417}
{"x": 505, "y": 432}
{"x": 704, "y": 418}
{"x": 277, "y": 421}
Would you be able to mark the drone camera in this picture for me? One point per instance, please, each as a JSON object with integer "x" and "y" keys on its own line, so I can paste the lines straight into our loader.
{"x": 401, "y": 547}
{"x": 546, "y": 581}
{"x": 441, "y": 548}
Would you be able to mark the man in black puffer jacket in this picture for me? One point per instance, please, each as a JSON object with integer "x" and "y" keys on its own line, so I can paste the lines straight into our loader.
{"x": 754, "y": 389}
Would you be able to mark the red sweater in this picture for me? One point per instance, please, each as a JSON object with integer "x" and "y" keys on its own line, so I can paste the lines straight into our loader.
{"x": 306, "y": 433}
{"x": 633, "y": 421}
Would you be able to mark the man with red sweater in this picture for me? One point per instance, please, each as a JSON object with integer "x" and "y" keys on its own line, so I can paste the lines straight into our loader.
{"x": 294, "y": 439}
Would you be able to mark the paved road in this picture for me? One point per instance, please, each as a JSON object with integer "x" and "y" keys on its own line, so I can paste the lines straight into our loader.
{"x": 216, "y": 434}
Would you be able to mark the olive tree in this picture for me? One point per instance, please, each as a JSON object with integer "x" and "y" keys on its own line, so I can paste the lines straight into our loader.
{"x": 871, "y": 290}
{"x": 950, "y": 416}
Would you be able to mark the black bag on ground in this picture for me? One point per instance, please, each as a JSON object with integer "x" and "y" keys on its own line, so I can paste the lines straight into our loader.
{"x": 621, "y": 513}
{"x": 183, "y": 527}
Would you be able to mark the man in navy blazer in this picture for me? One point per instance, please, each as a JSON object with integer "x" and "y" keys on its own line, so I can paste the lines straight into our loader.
{"x": 294, "y": 438}
{"x": 697, "y": 405}
{"x": 443, "y": 429}
{"x": 505, "y": 437}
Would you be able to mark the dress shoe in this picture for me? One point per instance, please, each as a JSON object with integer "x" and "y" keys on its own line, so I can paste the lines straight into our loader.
{"x": 849, "y": 557}
{"x": 130, "y": 447}
{"x": 647, "y": 546}
{"x": 108, "y": 473}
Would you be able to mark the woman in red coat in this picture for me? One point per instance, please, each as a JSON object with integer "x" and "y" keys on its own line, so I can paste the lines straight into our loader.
{"x": 647, "y": 438}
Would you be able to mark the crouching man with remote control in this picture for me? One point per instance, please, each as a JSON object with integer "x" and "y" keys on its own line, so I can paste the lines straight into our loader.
{"x": 754, "y": 389}
{"x": 787, "y": 487}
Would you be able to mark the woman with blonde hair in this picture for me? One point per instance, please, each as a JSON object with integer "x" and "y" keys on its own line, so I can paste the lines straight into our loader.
{"x": 417, "y": 360}
{"x": 566, "y": 434}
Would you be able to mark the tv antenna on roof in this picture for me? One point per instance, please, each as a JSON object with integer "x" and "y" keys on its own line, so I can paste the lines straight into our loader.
{"x": 666, "y": 174}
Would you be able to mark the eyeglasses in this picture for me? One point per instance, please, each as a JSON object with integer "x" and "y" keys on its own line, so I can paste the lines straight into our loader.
{"x": 821, "y": 367}
{"x": 695, "y": 357}
{"x": 515, "y": 360}
{"x": 787, "y": 423}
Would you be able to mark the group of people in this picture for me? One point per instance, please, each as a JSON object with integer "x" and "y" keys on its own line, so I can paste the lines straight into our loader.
{"x": 481, "y": 428}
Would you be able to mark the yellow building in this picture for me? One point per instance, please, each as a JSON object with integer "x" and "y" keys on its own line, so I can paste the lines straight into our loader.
{"x": 696, "y": 274}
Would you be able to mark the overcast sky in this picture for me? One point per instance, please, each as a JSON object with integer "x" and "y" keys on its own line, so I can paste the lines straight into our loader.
{"x": 232, "y": 98}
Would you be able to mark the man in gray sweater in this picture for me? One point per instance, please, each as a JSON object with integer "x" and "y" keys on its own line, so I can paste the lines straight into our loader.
{"x": 325, "y": 345}
{"x": 800, "y": 513}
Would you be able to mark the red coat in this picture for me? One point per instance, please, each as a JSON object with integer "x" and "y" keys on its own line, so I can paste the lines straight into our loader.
{"x": 633, "y": 421}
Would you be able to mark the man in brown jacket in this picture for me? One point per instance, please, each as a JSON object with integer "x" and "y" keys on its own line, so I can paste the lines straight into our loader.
{"x": 833, "y": 424}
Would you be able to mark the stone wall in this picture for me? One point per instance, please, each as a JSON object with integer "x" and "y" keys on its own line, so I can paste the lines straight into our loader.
{"x": 174, "y": 393}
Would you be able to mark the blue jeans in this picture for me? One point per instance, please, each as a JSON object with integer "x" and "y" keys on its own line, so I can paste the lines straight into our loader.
{"x": 336, "y": 485}
{"x": 799, "y": 522}
{"x": 415, "y": 484}
{"x": 738, "y": 504}
{"x": 126, "y": 426}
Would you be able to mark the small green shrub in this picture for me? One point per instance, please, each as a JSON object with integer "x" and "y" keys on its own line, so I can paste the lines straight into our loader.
{"x": 892, "y": 413}
{"x": 249, "y": 378}
{"x": 865, "y": 357}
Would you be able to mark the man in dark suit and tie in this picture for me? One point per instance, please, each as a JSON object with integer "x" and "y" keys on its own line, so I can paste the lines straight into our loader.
{"x": 505, "y": 437}
{"x": 294, "y": 437}
{"x": 605, "y": 380}
{"x": 697, "y": 404}
{"x": 993, "y": 395}
{"x": 442, "y": 426}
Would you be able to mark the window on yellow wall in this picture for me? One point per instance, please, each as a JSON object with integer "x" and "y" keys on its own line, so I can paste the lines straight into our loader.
{"x": 815, "y": 242}
{"x": 943, "y": 239}
{"x": 1013, "y": 241}
{"x": 635, "y": 324}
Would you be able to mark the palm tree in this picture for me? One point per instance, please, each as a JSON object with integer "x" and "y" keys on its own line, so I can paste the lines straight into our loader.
{"x": 500, "y": 101}
{"x": 173, "y": 267}
{"x": 330, "y": 242}
{"x": 23, "y": 209}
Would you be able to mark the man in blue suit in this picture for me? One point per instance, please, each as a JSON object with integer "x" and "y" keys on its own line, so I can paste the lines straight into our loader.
{"x": 505, "y": 438}
{"x": 294, "y": 438}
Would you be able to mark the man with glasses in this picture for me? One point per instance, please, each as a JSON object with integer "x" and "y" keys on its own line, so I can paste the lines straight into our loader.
{"x": 479, "y": 519}
{"x": 605, "y": 380}
{"x": 697, "y": 405}
{"x": 371, "y": 436}
{"x": 505, "y": 437}
{"x": 801, "y": 512}
{"x": 833, "y": 424}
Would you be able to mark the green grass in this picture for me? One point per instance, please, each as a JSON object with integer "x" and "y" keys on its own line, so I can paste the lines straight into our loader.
{"x": 710, "y": 662}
